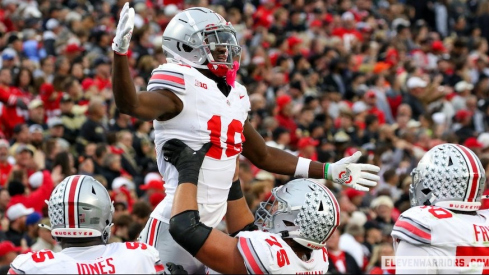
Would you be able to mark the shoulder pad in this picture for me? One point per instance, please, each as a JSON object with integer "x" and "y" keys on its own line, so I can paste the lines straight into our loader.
{"x": 484, "y": 212}
{"x": 414, "y": 225}
{"x": 23, "y": 263}
{"x": 177, "y": 68}
{"x": 171, "y": 76}
{"x": 153, "y": 253}
{"x": 139, "y": 248}
{"x": 142, "y": 252}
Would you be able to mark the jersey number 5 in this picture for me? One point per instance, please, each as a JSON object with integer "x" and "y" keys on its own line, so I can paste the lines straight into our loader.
{"x": 136, "y": 245}
{"x": 41, "y": 256}
{"x": 235, "y": 127}
{"x": 282, "y": 258}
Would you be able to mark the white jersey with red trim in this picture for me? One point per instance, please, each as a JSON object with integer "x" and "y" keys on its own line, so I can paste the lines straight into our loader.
{"x": 207, "y": 116}
{"x": 436, "y": 231}
{"x": 268, "y": 253}
{"x": 115, "y": 258}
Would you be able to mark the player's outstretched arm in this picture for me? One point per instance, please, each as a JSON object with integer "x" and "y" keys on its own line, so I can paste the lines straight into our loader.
{"x": 345, "y": 171}
{"x": 143, "y": 105}
{"x": 210, "y": 246}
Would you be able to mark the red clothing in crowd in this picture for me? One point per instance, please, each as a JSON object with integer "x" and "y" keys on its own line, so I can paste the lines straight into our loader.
{"x": 51, "y": 102}
{"x": 10, "y": 114}
{"x": 342, "y": 32}
{"x": 378, "y": 113}
{"x": 102, "y": 83}
{"x": 264, "y": 17}
{"x": 338, "y": 260}
{"x": 289, "y": 124}
{"x": 5, "y": 18}
{"x": 5, "y": 169}
{"x": 36, "y": 198}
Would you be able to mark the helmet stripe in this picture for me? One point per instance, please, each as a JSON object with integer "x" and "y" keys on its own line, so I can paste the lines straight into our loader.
{"x": 476, "y": 175}
{"x": 73, "y": 202}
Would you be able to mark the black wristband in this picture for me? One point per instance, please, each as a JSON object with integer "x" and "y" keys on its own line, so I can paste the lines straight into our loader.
{"x": 249, "y": 227}
{"x": 188, "y": 176}
{"x": 235, "y": 193}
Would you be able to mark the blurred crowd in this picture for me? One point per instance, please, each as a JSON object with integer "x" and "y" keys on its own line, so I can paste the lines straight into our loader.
{"x": 326, "y": 78}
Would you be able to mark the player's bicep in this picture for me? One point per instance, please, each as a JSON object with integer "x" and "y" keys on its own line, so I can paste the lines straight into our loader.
{"x": 254, "y": 148}
{"x": 157, "y": 104}
{"x": 220, "y": 253}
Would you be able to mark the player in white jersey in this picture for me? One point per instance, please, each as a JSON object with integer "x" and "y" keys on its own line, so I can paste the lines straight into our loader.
{"x": 195, "y": 98}
{"x": 445, "y": 219}
{"x": 295, "y": 224}
{"x": 80, "y": 212}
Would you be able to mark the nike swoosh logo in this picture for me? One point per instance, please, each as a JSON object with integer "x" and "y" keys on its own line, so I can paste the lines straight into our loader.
{"x": 241, "y": 96}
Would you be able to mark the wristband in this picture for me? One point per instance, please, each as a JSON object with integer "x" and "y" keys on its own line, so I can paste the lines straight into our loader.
{"x": 235, "y": 193}
{"x": 302, "y": 168}
{"x": 326, "y": 167}
{"x": 249, "y": 227}
{"x": 118, "y": 53}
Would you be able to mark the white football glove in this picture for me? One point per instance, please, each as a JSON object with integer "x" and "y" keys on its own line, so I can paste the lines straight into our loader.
{"x": 123, "y": 34}
{"x": 355, "y": 175}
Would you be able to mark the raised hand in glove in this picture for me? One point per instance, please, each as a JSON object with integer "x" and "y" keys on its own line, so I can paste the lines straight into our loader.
{"x": 175, "y": 269}
{"x": 123, "y": 34}
{"x": 185, "y": 159}
{"x": 356, "y": 175}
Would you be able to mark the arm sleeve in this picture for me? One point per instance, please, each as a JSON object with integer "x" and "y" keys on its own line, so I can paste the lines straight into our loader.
{"x": 7, "y": 98}
{"x": 405, "y": 249}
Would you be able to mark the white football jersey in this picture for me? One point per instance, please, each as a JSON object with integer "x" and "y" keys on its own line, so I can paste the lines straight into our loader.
{"x": 268, "y": 253}
{"x": 443, "y": 233}
{"x": 115, "y": 258}
{"x": 207, "y": 116}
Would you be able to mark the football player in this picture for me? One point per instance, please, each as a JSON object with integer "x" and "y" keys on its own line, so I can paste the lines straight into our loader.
{"x": 295, "y": 224}
{"x": 445, "y": 219}
{"x": 194, "y": 97}
{"x": 80, "y": 212}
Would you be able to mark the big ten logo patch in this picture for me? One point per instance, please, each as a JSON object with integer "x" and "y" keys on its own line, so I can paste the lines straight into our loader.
{"x": 200, "y": 84}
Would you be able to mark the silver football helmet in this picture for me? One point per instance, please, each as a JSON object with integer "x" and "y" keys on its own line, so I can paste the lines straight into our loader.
{"x": 302, "y": 210}
{"x": 201, "y": 38}
{"x": 450, "y": 176}
{"x": 80, "y": 207}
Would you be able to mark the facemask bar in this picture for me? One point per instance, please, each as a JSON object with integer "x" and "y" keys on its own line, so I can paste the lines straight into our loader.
{"x": 216, "y": 40}
{"x": 267, "y": 210}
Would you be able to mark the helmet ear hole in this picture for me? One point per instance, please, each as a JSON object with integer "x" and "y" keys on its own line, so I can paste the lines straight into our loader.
{"x": 288, "y": 223}
{"x": 187, "y": 48}
{"x": 426, "y": 191}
